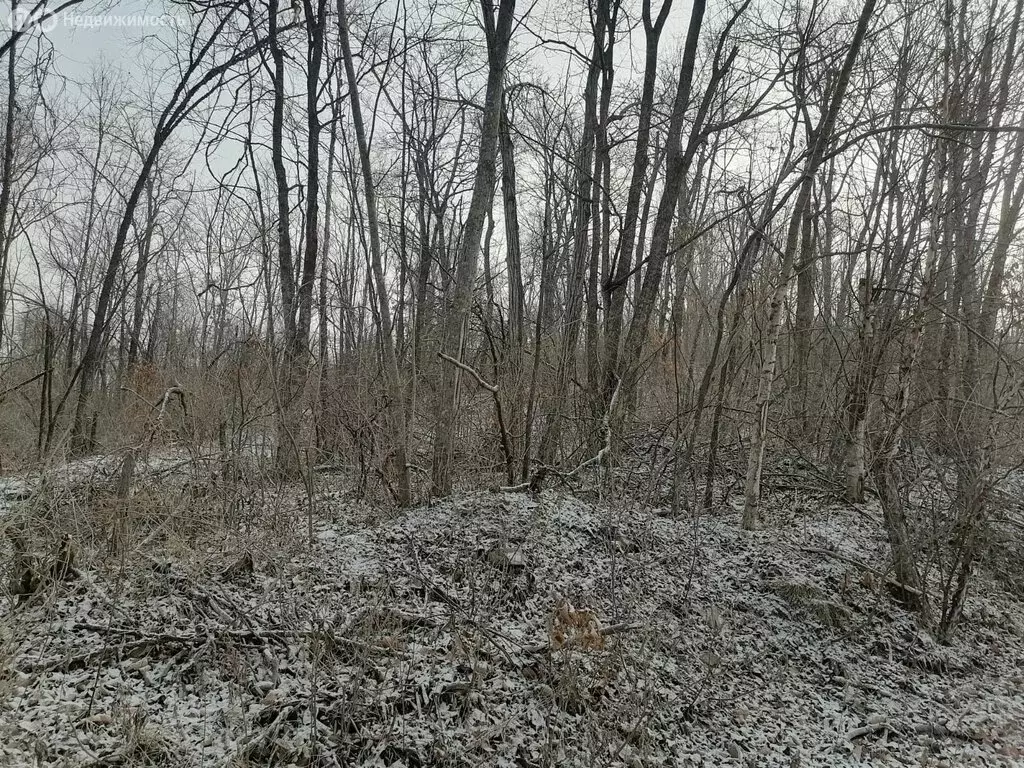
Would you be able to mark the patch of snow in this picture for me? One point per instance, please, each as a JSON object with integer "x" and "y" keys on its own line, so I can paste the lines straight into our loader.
{"x": 426, "y": 637}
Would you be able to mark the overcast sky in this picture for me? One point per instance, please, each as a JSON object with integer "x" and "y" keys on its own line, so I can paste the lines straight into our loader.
{"x": 90, "y": 31}
{"x": 110, "y": 30}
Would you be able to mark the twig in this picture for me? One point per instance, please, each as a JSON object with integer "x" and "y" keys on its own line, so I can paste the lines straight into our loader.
{"x": 26, "y": 382}
{"x": 864, "y": 566}
{"x": 866, "y": 730}
{"x": 606, "y": 422}
{"x": 506, "y": 440}
{"x": 597, "y": 458}
{"x": 1009, "y": 521}
{"x": 493, "y": 389}
{"x": 612, "y": 629}
{"x": 267, "y": 739}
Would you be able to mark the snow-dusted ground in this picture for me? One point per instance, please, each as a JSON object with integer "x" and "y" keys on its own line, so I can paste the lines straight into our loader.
{"x": 80, "y": 472}
{"x": 424, "y": 638}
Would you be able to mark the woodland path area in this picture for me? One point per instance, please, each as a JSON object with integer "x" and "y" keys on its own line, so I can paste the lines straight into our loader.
{"x": 500, "y": 629}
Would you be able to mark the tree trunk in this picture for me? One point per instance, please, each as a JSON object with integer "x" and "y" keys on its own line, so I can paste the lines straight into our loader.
{"x": 7, "y": 172}
{"x": 614, "y": 289}
{"x": 396, "y": 415}
{"x": 299, "y": 311}
{"x": 677, "y": 165}
{"x": 577, "y": 273}
{"x": 766, "y": 377}
{"x": 515, "y": 338}
{"x": 804, "y": 321}
{"x": 498, "y": 32}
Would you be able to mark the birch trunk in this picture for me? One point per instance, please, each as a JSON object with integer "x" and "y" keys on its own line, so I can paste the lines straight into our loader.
{"x": 766, "y": 378}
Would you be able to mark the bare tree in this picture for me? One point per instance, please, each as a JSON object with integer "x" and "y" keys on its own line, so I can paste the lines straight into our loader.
{"x": 397, "y": 418}
{"x": 823, "y": 136}
{"x": 498, "y": 34}
{"x": 200, "y": 79}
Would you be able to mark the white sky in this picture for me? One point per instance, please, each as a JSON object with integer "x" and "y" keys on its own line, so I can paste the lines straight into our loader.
{"x": 110, "y": 34}
{"x": 110, "y": 30}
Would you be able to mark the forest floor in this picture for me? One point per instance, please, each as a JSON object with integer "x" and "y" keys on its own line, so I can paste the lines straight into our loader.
{"x": 495, "y": 629}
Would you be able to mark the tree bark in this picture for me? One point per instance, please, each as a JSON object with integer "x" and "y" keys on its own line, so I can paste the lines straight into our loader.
{"x": 498, "y": 31}
{"x": 614, "y": 288}
{"x": 7, "y": 171}
{"x": 766, "y": 377}
{"x": 396, "y": 416}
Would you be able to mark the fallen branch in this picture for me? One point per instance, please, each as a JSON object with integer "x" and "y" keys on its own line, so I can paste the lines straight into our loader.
{"x": 867, "y": 730}
{"x": 506, "y": 441}
{"x": 518, "y": 488}
{"x": 134, "y": 649}
{"x": 147, "y": 644}
{"x": 493, "y": 389}
{"x": 865, "y": 567}
{"x": 598, "y": 458}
